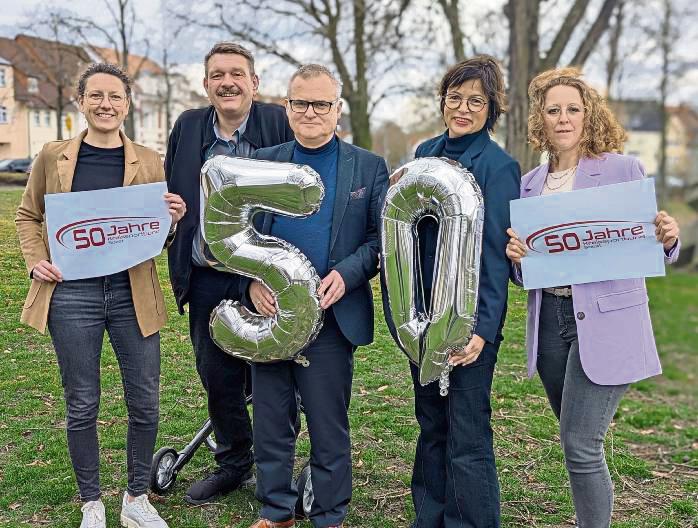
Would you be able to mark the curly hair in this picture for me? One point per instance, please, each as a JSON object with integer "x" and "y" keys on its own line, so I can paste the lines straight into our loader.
{"x": 487, "y": 69}
{"x": 602, "y": 131}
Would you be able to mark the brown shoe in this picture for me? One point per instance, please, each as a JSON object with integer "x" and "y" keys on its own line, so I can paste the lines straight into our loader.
{"x": 266, "y": 523}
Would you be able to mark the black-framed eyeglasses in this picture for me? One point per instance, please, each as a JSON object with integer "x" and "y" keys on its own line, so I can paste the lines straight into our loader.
{"x": 319, "y": 107}
{"x": 95, "y": 98}
{"x": 454, "y": 101}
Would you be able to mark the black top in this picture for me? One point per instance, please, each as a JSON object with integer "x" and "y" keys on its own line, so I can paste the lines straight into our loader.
{"x": 454, "y": 148}
{"x": 98, "y": 168}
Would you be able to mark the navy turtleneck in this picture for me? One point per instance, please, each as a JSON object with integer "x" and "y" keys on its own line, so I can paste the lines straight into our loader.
{"x": 311, "y": 235}
{"x": 455, "y": 147}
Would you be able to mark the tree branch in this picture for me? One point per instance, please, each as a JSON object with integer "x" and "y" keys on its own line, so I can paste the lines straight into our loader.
{"x": 594, "y": 35}
{"x": 574, "y": 16}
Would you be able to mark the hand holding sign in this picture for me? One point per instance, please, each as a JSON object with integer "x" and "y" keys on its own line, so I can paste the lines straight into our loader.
{"x": 46, "y": 272}
{"x": 516, "y": 249}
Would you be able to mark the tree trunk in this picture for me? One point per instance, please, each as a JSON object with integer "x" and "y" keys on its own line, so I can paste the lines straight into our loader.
{"x": 451, "y": 11}
{"x": 523, "y": 64}
{"x": 665, "y": 45}
{"x": 614, "y": 43}
{"x": 358, "y": 100}
{"x": 59, "y": 113}
{"x": 130, "y": 123}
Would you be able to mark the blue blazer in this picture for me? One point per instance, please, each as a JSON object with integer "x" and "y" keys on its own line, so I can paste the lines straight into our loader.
{"x": 499, "y": 178}
{"x": 362, "y": 178}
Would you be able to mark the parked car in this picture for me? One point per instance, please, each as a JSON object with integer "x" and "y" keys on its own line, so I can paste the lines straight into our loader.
{"x": 15, "y": 165}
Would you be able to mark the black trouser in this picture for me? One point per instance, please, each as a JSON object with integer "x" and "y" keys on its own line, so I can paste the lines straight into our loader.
{"x": 325, "y": 390}
{"x": 222, "y": 375}
{"x": 454, "y": 480}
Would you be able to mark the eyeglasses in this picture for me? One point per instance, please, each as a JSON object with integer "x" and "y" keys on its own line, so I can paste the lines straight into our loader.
{"x": 95, "y": 99}
{"x": 319, "y": 107}
{"x": 454, "y": 101}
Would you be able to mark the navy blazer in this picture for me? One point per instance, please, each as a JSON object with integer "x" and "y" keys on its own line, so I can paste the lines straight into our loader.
{"x": 189, "y": 140}
{"x": 499, "y": 178}
{"x": 362, "y": 178}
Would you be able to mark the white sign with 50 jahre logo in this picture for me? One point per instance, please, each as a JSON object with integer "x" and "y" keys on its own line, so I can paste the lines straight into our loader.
{"x": 96, "y": 233}
{"x": 589, "y": 235}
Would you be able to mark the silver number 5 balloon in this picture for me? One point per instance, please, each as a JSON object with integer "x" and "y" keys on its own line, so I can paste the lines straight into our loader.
{"x": 436, "y": 187}
{"x": 234, "y": 190}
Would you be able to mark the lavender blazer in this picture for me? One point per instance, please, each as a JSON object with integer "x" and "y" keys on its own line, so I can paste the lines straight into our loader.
{"x": 616, "y": 342}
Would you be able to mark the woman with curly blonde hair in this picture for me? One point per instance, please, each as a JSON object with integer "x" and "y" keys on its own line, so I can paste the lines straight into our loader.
{"x": 588, "y": 342}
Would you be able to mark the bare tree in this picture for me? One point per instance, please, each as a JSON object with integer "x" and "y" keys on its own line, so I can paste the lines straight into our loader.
{"x": 363, "y": 39}
{"x": 615, "y": 34}
{"x": 451, "y": 12}
{"x": 526, "y": 59}
{"x": 625, "y": 38}
{"x": 56, "y": 59}
{"x": 120, "y": 34}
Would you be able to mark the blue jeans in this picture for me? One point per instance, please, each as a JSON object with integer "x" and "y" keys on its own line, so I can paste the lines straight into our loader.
{"x": 454, "y": 480}
{"x": 584, "y": 409}
{"x": 80, "y": 312}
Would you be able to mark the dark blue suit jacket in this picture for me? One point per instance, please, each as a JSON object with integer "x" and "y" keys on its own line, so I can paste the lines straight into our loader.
{"x": 362, "y": 178}
{"x": 499, "y": 178}
{"x": 189, "y": 140}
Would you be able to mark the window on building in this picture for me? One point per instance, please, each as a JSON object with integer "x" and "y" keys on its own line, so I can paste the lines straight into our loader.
{"x": 4, "y": 115}
{"x": 37, "y": 118}
{"x": 32, "y": 85}
{"x": 47, "y": 118}
{"x": 2, "y": 78}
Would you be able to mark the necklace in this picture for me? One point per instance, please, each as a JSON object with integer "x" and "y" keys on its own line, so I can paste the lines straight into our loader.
{"x": 563, "y": 177}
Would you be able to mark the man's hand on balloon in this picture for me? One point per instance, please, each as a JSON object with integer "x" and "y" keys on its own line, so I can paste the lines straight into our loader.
{"x": 468, "y": 354}
{"x": 262, "y": 299}
{"x": 331, "y": 289}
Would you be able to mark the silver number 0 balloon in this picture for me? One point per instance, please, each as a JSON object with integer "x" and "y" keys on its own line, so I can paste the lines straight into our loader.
{"x": 234, "y": 190}
{"x": 433, "y": 186}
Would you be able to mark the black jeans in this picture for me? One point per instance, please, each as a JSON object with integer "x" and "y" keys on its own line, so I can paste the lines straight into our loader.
{"x": 223, "y": 376}
{"x": 584, "y": 409}
{"x": 80, "y": 312}
{"x": 454, "y": 480}
{"x": 325, "y": 389}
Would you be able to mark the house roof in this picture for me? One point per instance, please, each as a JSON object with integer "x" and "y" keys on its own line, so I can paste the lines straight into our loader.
{"x": 50, "y": 63}
{"x": 637, "y": 115}
{"x": 137, "y": 64}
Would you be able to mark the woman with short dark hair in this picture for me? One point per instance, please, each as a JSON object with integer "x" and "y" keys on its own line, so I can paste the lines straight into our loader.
{"x": 129, "y": 305}
{"x": 454, "y": 480}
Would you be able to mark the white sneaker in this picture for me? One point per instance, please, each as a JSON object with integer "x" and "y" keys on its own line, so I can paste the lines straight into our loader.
{"x": 93, "y": 515}
{"x": 140, "y": 513}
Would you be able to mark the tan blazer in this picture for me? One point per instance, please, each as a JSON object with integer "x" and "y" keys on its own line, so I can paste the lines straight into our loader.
{"x": 53, "y": 172}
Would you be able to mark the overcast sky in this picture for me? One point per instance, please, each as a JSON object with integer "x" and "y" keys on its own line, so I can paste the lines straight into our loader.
{"x": 642, "y": 81}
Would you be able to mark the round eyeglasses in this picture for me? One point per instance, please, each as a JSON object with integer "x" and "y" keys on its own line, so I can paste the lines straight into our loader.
{"x": 454, "y": 102}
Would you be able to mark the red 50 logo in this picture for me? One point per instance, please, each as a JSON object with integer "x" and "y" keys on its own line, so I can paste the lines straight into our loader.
{"x": 574, "y": 236}
{"x": 568, "y": 241}
{"x": 95, "y": 232}
{"x": 84, "y": 238}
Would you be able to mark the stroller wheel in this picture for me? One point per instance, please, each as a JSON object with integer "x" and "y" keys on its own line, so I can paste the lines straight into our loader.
{"x": 305, "y": 493}
{"x": 163, "y": 472}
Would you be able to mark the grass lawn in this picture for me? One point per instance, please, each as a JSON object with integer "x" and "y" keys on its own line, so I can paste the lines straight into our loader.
{"x": 652, "y": 448}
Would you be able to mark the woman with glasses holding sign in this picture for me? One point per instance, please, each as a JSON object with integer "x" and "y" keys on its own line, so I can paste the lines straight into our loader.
{"x": 454, "y": 480}
{"x": 129, "y": 305}
{"x": 589, "y": 341}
